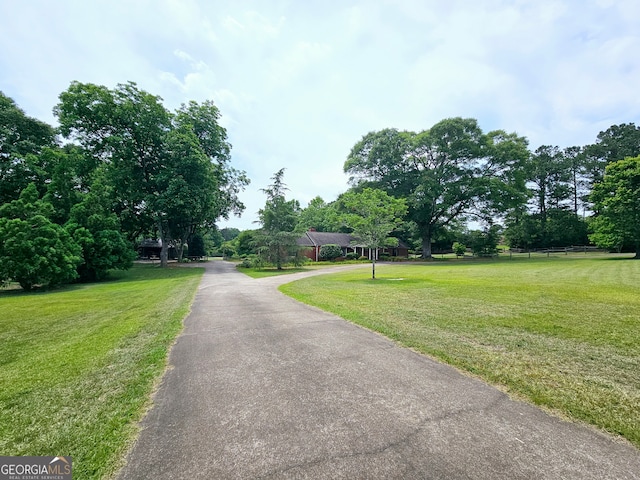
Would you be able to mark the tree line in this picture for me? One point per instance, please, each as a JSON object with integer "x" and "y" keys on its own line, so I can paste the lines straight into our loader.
{"x": 454, "y": 173}
{"x": 74, "y": 201}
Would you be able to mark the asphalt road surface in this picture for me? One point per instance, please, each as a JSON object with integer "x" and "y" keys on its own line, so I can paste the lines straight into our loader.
{"x": 260, "y": 386}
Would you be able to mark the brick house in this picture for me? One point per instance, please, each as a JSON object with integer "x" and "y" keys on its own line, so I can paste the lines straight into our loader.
{"x": 313, "y": 240}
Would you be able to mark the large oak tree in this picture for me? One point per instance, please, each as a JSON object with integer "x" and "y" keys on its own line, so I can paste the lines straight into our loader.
{"x": 170, "y": 173}
{"x": 451, "y": 171}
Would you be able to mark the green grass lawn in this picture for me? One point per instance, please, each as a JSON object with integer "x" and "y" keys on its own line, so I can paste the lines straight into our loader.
{"x": 310, "y": 266}
{"x": 561, "y": 332}
{"x": 78, "y": 364}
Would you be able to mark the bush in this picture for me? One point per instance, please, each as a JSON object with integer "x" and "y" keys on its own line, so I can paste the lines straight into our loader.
{"x": 228, "y": 250}
{"x": 459, "y": 249}
{"x": 252, "y": 261}
{"x": 196, "y": 246}
{"x": 352, "y": 256}
{"x": 34, "y": 250}
{"x": 330, "y": 252}
{"x": 300, "y": 259}
{"x": 37, "y": 252}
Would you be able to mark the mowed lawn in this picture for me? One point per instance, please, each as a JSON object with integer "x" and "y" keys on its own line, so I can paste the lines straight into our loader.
{"x": 562, "y": 332}
{"x": 77, "y": 365}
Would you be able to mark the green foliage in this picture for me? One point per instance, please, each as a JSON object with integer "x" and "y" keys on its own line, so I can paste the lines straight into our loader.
{"x": 253, "y": 261}
{"x": 247, "y": 243}
{"x": 605, "y": 234}
{"x": 484, "y": 243}
{"x": 69, "y": 180}
{"x": 613, "y": 144}
{"x": 617, "y": 202}
{"x": 22, "y": 140}
{"x": 278, "y": 248}
{"x": 549, "y": 174}
{"x": 229, "y": 234}
{"x": 277, "y": 240}
{"x": 97, "y": 231}
{"x": 169, "y": 173}
{"x": 321, "y": 216}
{"x": 330, "y": 252}
{"x": 373, "y": 215}
{"x": 558, "y": 228}
{"x": 34, "y": 250}
{"x": 459, "y": 249}
{"x": 352, "y": 256}
{"x": 444, "y": 173}
{"x": 228, "y": 250}
{"x": 196, "y": 246}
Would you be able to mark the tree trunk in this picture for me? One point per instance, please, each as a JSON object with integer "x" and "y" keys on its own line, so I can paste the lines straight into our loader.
{"x": 426, "y": 247}
{"x": 164, "y": 250}
{"x": 373, "y": 268}
{"x": 180, "y": 250}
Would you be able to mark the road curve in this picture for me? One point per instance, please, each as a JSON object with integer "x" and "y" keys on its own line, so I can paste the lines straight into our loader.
{"x": 260, "y": 386}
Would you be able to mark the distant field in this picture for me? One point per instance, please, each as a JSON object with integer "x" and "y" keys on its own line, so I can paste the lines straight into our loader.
{"x": 77, "y": 365}
{"x": 562, "y": 332}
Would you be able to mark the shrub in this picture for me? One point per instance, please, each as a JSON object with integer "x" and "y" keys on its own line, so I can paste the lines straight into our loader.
{"x": 300, "y": 259}
{"x": 252, "y": 261}
{"x": 228, "y": 250}
{"x": 330, "y": 252}
{"x": 459, "y": 249}
{"x": 352, "y": 256}
{"x": 37, "y": 252}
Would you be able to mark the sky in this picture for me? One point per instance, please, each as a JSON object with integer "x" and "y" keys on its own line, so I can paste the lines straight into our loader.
{"x": 300, "y": 82}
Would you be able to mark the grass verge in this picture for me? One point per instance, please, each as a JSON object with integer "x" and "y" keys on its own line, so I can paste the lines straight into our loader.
{"x": 561, "y": 332}
{"x": 273, "y": 271}
{"x": 78, "y": 365}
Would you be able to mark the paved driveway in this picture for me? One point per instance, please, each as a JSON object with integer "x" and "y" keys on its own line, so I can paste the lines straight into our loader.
{"x": 261, "y": 386}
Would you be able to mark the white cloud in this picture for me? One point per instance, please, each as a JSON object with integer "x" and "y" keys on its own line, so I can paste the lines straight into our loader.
{"x": 299, "y": 83}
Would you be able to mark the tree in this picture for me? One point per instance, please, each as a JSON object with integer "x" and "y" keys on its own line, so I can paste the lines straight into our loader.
{"x": 247, "y": 243}
{"x": 229, "y": 234}
{"x": 202, "y": 120}
{"x": 97, "y": 231}
{"x": 559, "y": 228}
{"x": 187, "y": 189}
{"x": 550, "y": 176}
{"x": 22, "y": 140}
{"x": 446, "y": 173}
{"x": 617, "y": 202}
{"x": 525, "y": 231}
{"x": 34, "y": 250}
{"x": 484, "y": 243}
{"x": 321, "y": 216}
{"x": 373, "y": 215}
{"x": 576, "y": 163}
{"x": 459, "y": 249}
{"x": 169, "y": 173}
{"x": 197, "y": 246}
{"x": 615, "y": 143}
{"x": 277, "y": 239}
{"x": 124, "y": 129}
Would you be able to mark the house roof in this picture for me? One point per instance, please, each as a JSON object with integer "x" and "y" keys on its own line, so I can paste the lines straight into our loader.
{"x": 317, "y": 239}
{"x": 328, "y": 238}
